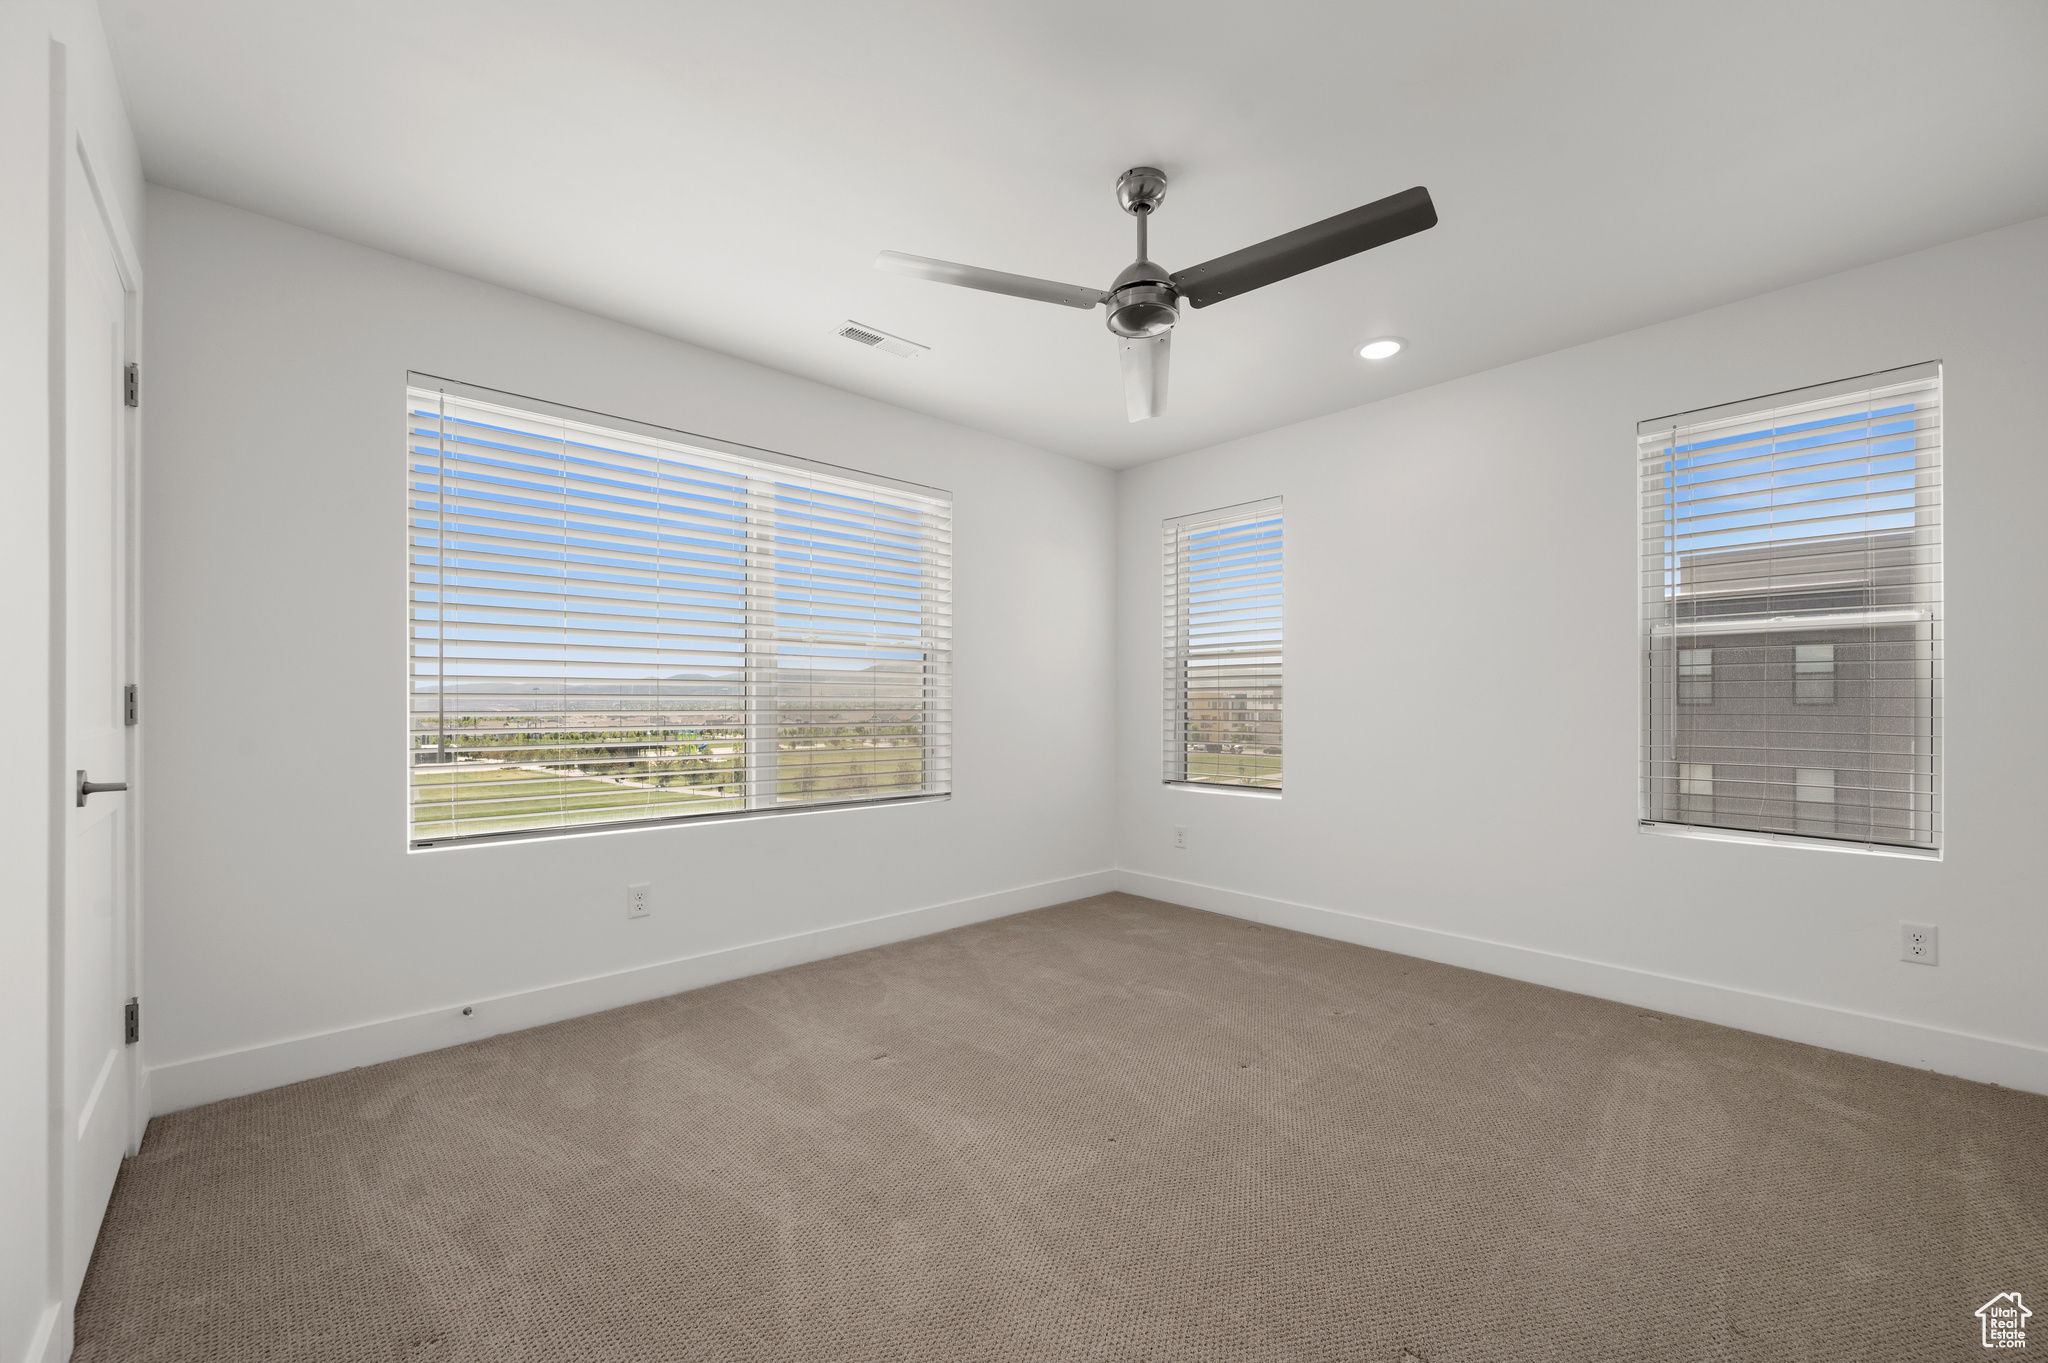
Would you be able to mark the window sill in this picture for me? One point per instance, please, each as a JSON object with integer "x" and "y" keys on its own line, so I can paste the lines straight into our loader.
{"x": 1257, "y": 792}
{"x": 1811, "y": 844}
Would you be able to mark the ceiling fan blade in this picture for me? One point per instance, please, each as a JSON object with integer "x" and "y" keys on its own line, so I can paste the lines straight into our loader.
{"x": 994, "y": 281}
{"x": 1145, "y": 375}
{"x": 1305, "y": 248}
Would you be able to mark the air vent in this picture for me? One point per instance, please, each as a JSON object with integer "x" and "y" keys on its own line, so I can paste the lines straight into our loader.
{"x": 882, "y": 341}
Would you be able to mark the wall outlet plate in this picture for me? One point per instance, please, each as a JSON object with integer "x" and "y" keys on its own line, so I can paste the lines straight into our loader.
{"x": 639, "y": 900}
{"x": 1180, "y": 837}
{"x": 1920, "y": 943}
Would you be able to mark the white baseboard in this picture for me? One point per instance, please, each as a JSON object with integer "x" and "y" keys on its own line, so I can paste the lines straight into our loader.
{"x": 51, "y": 1342}
{"x": 229, "y": 1074}
{"x": 140, "y": 1110}
{"x": 1966, "y": 1055}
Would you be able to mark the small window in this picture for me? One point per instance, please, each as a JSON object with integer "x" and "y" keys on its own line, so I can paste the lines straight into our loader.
{"x": 1695, "y": 676}
{"x": 1813, "y": 792}
{"x": 1813, "y": 674}
{"x": 1696, "y": 790}
{"x": 1223, "y": 600}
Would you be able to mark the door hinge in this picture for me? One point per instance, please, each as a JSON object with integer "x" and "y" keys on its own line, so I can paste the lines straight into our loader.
{"x": 132, "y": 394}
{"x": 132, "y": 1016}
{"x": 129, "y": 713}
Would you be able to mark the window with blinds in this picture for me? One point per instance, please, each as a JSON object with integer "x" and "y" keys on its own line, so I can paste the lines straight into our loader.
{"x": 615, "y": 624}
{"x": 1791, "y": 587}
{"x": 1223, "y": 599}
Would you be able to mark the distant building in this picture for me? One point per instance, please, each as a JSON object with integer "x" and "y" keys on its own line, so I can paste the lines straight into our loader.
{"x": 1247, "y": 719}
{"x": 1792, "y": 690}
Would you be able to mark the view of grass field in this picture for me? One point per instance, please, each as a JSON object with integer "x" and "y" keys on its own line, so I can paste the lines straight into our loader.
{"x": 451, "y": 800}
{"x": 1248, "y": 768}
{"x": 818, "y": 768}
{"x": 461, "y": 799}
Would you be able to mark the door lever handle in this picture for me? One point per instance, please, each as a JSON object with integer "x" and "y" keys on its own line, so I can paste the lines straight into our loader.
{"x": 86, "y": 788}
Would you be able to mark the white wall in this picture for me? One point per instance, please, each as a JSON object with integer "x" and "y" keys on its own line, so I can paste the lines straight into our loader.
{"x": 1462, "y": 683}
{"x": 290, "y": 932}
{"x": 56, "y": 86}
{"x": 25, "y": 1287}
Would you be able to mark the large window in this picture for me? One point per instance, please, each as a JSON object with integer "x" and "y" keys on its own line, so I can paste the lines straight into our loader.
{"x": 1791, "y": 585}
{"x": 1223, "y": 602}
{"x": 616, "y": 624}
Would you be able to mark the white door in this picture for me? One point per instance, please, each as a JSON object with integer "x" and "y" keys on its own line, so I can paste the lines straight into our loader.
{"x": 97, "y": 1079}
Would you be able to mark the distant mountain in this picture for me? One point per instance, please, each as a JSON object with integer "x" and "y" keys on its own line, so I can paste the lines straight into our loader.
{"x": 825, "y": 688}
{"x": 698, "y": 683}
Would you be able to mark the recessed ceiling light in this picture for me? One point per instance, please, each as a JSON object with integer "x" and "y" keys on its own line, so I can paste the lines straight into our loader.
{"x": 1385, "y": 348}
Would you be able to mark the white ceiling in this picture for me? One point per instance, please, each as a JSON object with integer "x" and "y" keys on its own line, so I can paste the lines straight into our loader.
{"x": 725, "y": 172}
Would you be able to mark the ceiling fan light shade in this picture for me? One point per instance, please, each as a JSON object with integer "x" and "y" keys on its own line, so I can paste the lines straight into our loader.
{"x": 1145, "y": 364}
{"x": 1384, "y": 348}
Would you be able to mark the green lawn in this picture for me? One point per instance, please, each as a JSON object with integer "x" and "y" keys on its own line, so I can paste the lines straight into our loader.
{"x": 819, "y": 770}
{"x": 1249, "y": 768}
{"x": 456, "y": 799}
{"x": 448, "y": 800}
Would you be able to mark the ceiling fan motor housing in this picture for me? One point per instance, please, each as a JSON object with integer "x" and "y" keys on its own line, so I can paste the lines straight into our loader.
{"x": 1143, "y": 302}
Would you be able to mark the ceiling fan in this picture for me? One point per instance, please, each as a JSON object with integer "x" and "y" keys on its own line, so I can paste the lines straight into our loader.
{"x": 1144, "y": 302}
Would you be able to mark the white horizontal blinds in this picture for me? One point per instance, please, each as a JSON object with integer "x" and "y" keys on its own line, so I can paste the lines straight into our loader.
{"x": 1223, "y": 646}
{"x": 1791, "y": 581}
{"x": 858, "y": 612}
{"x": 612, "y": 627}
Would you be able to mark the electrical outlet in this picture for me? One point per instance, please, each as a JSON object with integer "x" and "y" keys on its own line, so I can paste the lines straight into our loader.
{"x": 639, "y": 900}
{"x": 1920, "y": 943}
{"x": 1180, "y": 837}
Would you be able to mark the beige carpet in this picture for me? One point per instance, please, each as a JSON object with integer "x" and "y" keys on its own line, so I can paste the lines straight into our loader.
{"x": 1111, "y": 1130}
